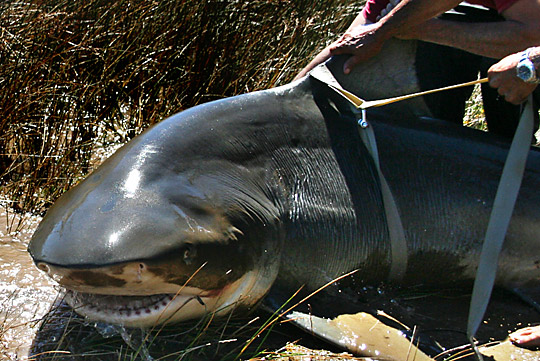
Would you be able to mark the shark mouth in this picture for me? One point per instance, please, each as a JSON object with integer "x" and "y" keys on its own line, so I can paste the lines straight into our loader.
{"x": 153, "y": 309}
{"x": 135, "y": 311}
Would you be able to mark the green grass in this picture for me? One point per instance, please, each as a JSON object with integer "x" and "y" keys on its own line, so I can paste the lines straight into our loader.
{"x": 474, "y": 111}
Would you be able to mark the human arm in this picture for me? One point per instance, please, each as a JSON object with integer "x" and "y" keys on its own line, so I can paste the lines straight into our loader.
{"x": 503, "y": 77}
{"x": 365, "y": 42}
{"x": 324, "y": 55}
{"x": 519, "y": 30}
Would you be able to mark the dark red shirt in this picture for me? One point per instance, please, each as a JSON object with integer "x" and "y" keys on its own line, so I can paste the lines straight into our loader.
{"x": 373, "y": 8}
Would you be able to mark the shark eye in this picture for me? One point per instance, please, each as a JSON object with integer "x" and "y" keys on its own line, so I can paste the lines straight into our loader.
{"x": 189, "y": 253}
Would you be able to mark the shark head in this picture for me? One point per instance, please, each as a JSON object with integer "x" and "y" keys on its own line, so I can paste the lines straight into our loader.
{"x": 171, "y": 227}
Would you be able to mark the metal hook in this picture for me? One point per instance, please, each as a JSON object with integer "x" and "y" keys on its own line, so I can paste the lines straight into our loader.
{"x": 362, "y": 122}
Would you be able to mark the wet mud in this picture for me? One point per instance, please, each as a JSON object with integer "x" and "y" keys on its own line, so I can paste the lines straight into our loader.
{"x": 38, "y": 325}
{"x": 26, "y": 294}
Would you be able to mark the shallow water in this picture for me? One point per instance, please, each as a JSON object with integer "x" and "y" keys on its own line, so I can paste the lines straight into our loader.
{"x": 26, "y": 294}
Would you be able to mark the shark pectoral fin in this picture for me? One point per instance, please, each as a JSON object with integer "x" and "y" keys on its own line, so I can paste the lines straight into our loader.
{"x": 361, "y": 334}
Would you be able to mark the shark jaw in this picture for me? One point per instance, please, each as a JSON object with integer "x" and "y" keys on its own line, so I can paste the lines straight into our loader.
{"x": 146, "y": 311}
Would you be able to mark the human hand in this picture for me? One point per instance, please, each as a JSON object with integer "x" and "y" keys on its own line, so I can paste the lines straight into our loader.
{"x": 502, "y": 76}
{"x": 318, "y": 59}
{"x": 362, "y": 42}
{"x": 526, "y": 337}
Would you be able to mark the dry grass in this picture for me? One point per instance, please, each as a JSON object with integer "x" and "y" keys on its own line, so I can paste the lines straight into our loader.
{"x": 294, "y": 352}
{"x": 77, "y": 75}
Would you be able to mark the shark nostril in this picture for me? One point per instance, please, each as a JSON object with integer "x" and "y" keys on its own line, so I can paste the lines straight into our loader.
{"x": 189, "y": 253}
{"x": 140, "y": 270}
{"x": 44, "y": 267}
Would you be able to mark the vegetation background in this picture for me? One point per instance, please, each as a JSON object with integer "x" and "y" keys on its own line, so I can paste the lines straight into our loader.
{"x": 77, "y": 76}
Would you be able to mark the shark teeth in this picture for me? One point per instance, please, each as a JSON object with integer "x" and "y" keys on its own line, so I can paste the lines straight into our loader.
{"x": 126, "y": 306}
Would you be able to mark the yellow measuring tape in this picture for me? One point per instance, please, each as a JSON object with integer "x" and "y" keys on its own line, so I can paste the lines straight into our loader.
{"x": 364, "y": 104}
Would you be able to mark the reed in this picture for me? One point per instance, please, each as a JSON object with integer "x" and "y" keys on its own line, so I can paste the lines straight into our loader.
{"x": 77, "y": 76}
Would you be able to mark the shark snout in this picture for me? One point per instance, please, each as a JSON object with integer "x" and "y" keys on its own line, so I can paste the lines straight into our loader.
{"x": 133, "y": 278}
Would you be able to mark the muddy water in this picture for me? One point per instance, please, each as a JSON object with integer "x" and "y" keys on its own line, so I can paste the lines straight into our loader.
{"x": 26, "y": 295}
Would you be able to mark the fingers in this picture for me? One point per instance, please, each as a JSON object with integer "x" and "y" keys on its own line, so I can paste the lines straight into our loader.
{"x": 351, "y": 63}
{"x": 320, "y": 58}
{"x": 502, "y": 76}
{"x": 514, "y": 97}
{"x": 527, "y": 337}
{"x": 362, "y": 42}
{"x": 343, "y": 46}
{"x": 353, "y": 40}
{"x": 346, "y": 44}
{"x": 359, "y": 52}
{"x": 514, "y": 91}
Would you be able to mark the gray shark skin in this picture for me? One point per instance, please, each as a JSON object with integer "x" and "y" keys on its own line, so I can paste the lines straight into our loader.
{"x": 212, "y": 207}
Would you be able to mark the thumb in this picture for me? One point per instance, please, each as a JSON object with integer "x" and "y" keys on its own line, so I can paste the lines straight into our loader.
{"x": 351, "y": 63}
